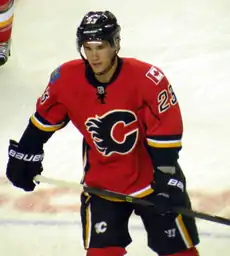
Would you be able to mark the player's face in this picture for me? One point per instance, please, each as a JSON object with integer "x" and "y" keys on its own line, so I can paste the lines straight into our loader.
{"x": 99, "y": 55}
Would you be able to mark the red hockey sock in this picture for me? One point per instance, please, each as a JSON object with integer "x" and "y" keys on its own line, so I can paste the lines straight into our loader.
{"x": 6, "y": 20}
{"x": 111, "y": 251}
{"x": 189, "y": 252}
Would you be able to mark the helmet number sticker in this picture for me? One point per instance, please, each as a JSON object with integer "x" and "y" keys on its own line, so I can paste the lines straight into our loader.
{"x": 91, "y": 20}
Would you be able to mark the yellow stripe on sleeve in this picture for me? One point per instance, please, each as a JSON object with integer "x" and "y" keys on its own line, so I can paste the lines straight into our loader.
{"x": 164, "y": 144}
{"x": 6, "y": 18}
{"x": 44, "y": 127}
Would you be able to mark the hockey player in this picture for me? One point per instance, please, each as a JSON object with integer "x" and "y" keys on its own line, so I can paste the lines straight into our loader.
{"x": 131, "y": 123}
{"x": 6, "y": 20}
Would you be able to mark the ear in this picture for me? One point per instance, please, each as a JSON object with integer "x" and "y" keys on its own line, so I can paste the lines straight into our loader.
{"x": 117, "y": 44}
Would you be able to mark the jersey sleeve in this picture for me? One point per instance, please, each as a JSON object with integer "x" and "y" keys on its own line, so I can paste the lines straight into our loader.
{"x": 50, "y": 114}
{"x": 162, "y": 119}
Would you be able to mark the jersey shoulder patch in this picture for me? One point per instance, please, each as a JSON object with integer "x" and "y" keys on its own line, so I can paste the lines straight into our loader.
{"x": 55, "y": 75}
{"x": 155, "y": 75}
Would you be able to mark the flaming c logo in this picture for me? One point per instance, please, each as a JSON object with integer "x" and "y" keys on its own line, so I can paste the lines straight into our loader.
{"x": 114, "y": 132}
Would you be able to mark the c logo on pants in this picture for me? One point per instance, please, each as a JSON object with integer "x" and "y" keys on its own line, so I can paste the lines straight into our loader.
{"x": 100, "y": 227}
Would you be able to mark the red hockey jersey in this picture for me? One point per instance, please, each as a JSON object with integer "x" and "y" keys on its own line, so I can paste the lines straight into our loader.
{"x": 139, "y": 110}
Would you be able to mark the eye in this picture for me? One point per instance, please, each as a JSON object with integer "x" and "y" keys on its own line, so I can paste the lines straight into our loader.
{"x": 101, "y": 47}
{"x": 87, "y": 48}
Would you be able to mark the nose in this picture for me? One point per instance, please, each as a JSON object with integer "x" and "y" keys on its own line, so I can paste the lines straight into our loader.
{"x": 94, "y": 54}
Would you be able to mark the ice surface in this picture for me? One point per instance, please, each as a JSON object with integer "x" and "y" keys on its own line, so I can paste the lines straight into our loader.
{"x": 190, "y": 41}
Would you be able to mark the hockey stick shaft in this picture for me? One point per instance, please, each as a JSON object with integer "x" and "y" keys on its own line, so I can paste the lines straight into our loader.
{"x": 130, "y": 199}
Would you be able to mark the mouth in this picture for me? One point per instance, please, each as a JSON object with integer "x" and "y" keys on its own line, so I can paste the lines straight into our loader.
{"x": 96, "y": 65}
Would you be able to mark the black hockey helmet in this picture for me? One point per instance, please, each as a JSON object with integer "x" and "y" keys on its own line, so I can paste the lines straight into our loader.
{"x": 99, "y": 26}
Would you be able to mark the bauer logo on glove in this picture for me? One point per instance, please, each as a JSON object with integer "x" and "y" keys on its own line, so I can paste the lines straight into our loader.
{"x": 26, "y": 157}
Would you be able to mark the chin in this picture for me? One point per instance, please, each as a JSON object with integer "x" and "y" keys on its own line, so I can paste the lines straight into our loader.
{"x": 98, "y": 70}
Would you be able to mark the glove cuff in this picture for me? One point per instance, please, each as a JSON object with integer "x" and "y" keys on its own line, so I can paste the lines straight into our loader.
{"x": 17, "y": 153}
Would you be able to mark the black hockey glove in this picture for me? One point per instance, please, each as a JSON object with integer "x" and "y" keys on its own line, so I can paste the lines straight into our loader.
{"x": 169, "y": 188}
{"x": 23, "y": 166}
